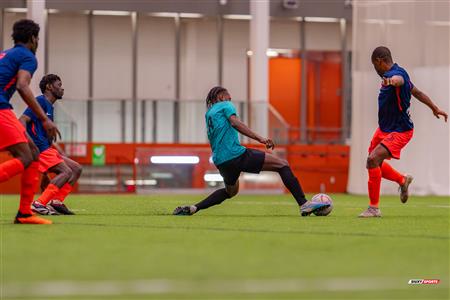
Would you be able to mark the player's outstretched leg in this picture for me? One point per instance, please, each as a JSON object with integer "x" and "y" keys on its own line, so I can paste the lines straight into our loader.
{"x": 389, "y": 173}
{"x": 276, "y": 164}
{"x": 374, "y": 162}
{"x": 215, "y": 198}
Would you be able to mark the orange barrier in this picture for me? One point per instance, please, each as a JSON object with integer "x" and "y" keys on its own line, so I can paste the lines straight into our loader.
{"x": 319, "y": 168}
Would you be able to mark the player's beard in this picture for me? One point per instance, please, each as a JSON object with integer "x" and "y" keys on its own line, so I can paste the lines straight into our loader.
{"x": 57, "y": 96}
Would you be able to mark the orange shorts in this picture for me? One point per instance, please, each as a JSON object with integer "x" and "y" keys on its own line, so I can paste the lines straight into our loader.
{"x": 49, "y": 158}
{"x": 394, "y": 142}
{"x": 11, "y": 130}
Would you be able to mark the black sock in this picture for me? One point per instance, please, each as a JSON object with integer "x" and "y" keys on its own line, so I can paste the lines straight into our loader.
{"x": 292, "y": 184}
{"x": 215, "y": 198}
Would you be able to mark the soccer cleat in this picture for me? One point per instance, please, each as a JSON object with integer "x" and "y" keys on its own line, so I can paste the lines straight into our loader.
{"x": 309, "y": 207}
{"x": 41, "y": 209}
{"x": 60, "y": 207}
{"x": 371, "y": 212}
{"x": 30, "y": 219}
{"x": 404, "y": 188}
{"x": 182, "y": 211}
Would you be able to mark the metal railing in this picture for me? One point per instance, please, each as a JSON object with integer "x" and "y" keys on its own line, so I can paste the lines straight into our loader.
{"x": 170, "y": 121}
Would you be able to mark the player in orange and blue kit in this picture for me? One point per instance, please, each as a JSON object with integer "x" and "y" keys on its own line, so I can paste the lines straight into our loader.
{"x": 395, "y": 127}
{"x": 17, "y": 66}
{"x": 51, "y": 159}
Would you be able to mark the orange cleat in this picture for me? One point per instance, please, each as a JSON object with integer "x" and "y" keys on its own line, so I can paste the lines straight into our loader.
{"x": 30, "y": 219}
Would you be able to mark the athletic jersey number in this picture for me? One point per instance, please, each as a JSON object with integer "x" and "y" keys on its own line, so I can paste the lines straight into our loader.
{"x": 210, "y": 126}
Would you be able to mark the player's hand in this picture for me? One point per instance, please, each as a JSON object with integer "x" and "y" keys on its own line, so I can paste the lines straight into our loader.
{"x": 268, "y": 142}
{"x": 386, "y": 81}
{"x": 395, "y": 80}
{"x": 439, "y": 112}
{"x": 52, "y": 131}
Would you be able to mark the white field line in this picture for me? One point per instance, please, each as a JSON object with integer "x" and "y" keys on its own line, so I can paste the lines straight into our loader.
{"x": 166, "y": 286}
{"x": 440, "y": 206}
{"x": 340, "y": 204}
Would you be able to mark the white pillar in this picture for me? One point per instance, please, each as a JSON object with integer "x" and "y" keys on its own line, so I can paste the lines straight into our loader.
{"x": 37, "y": 13}
{"x": 259, "y": 67}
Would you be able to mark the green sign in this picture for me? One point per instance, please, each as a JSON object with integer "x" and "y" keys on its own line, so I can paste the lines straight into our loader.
{"x": 98, "y": 155}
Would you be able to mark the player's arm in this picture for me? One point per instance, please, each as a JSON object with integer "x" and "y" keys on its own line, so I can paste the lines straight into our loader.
{"x": 422, "y": 97}
{"x": 23, "y": 87}
{"x": 243, "y": 129}
{"x": 24, "y": 120}
{"x": 395, "y": 80}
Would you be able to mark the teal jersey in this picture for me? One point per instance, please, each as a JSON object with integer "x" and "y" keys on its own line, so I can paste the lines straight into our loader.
{"x": 222, "y": 136}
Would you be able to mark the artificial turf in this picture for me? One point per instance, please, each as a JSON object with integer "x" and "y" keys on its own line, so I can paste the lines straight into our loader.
{"x": 251, "y": 246}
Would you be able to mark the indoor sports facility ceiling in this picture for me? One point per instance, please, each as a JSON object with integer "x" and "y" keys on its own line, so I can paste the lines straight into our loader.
{"x": 301, "y": 8}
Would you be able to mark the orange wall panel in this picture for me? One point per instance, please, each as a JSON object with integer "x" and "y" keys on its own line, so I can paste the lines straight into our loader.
{"x": 284, "y": 88}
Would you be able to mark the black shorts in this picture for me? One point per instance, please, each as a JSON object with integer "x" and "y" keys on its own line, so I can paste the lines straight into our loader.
{"x": 251, "y": 161}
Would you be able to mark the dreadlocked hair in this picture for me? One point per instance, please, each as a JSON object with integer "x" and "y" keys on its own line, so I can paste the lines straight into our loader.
{"x": 213, "y": 95}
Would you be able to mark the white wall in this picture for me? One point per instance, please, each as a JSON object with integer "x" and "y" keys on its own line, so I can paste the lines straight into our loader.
{"x": 156, "y": 58}
{"x": 112, "y": 57}
{"x": 284, "y": 34}
{"x": 67, "y": 54}
{"x": 235, "y": 46}
{"x": 199, "y": 57}
{"x": 68, "y": 57}
{"x": 199, "y": 73}
{"x": 322, "y": 36}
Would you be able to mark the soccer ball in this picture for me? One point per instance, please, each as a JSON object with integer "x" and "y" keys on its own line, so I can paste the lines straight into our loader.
{"x": 323, "y": 198}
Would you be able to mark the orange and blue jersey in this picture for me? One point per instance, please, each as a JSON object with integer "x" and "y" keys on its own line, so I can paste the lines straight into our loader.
{"x": 11, "y": 61}
{"x": 35, "y": 129}
{"x": 394, "y": 103}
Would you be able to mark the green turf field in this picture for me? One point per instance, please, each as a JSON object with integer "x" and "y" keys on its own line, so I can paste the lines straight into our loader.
{"x": 255, "y": 247}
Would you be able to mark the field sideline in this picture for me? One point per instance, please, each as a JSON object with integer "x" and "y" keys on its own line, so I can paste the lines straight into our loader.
{"x": 255, "y": 247}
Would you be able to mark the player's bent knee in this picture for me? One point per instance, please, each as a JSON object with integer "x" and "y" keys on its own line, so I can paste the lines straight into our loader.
{"x": 372, "y": 162}
{"x": 26, "y": 159}
{"x": 232, "y": 190}
{"x": 66, "y": 172}
{"x": 77, "y": 170}
{"x": 69, "y": 173}
{"x": 35, "y": 156}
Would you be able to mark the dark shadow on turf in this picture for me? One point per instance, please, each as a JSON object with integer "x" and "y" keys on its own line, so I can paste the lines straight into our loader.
{"x": 203, "y": 216}
{"x": 351, "y": 234}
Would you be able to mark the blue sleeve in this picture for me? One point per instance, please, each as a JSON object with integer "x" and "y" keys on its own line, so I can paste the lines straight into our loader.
{"x": 28, "y": 63}
{"x": 29, "y": 113}
{"x": 229, "y": 109}
{"x": 399, "y": 73}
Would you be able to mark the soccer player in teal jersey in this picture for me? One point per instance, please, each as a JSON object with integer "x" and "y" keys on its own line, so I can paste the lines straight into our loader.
{"x": 231, "y": 158}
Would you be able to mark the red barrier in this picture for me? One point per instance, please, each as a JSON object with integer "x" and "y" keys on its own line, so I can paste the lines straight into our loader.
{"x": 319, "y": 168}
